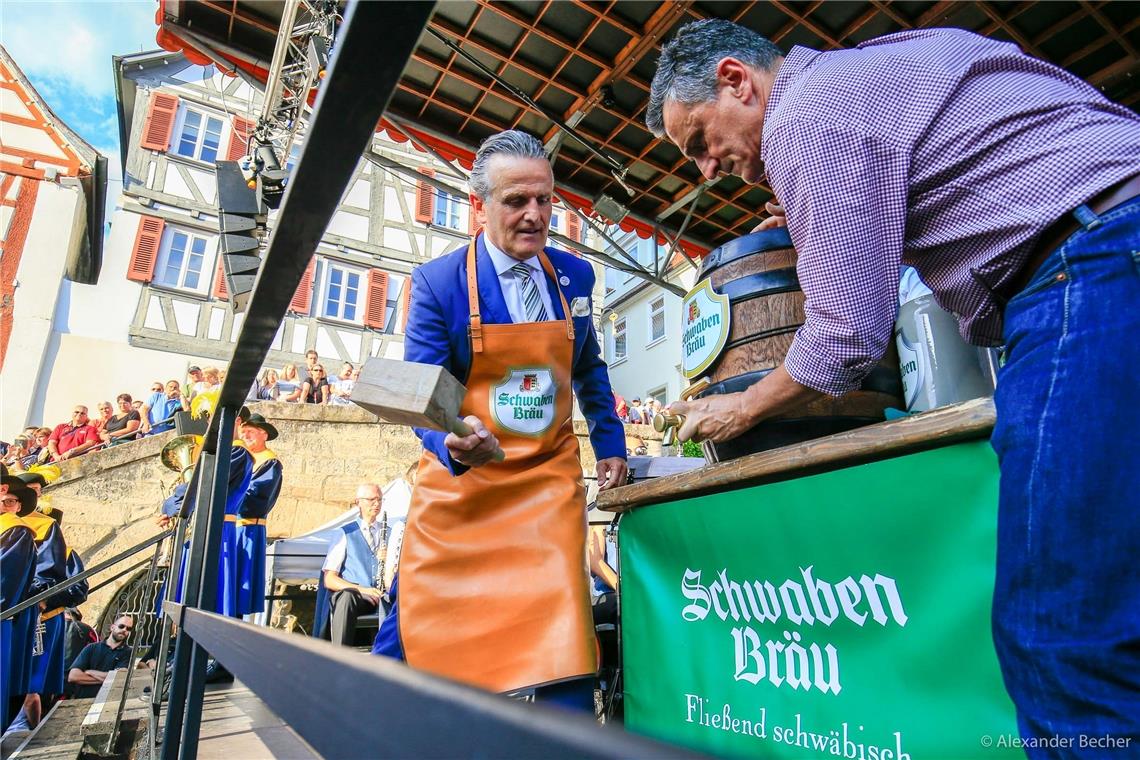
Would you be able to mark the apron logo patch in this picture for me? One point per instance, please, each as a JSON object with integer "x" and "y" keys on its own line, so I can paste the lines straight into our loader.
{"x": 524, "y": 401}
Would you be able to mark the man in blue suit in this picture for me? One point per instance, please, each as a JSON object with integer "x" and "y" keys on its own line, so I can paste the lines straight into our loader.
{"x": 493, "y": 582}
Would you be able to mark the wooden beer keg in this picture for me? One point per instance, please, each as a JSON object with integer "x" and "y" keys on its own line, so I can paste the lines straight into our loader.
{"x": 758, "y": 274}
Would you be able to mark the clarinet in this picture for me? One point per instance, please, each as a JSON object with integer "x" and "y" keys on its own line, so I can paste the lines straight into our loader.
{"x": 382, "y": 556}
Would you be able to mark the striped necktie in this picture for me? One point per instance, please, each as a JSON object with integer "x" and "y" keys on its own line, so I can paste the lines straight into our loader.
{"x": 532, "y": 301}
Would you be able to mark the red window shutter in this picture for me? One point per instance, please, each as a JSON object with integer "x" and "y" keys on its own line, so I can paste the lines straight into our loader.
{"x": 406, "y": 300}
{"x": 303, "y": 298}
{"x": 220, "y": 291}
{"x": 159, "y": 121}
{"x": 145, "y": 253}
{"x": 239, "y": 138}
{"x": 377, "y": 306}
{"x": 573, "y": 226}
{"x": 425, "y": 199}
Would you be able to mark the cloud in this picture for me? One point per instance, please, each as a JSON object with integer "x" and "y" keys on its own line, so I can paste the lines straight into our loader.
{"x": 66, "y": 47}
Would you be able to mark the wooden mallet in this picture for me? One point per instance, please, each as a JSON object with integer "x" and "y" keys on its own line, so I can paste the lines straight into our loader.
{"x": 414, "y": 394}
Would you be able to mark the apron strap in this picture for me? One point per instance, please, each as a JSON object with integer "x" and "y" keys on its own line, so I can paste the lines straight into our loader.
{"x": 475, "y": 329}
{"x": 549, "y": 269}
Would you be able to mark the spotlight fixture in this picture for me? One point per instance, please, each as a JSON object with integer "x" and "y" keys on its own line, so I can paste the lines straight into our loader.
{"x": 610, "y": 209}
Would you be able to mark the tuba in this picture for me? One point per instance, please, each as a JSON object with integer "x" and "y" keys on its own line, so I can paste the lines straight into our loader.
{"x": 179, "y": 454}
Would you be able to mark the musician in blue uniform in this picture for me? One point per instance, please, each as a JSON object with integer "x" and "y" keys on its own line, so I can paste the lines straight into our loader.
{"x": 182, "y": 503}
{"x": 43, "y": 650}
{"x": 48, "y": 675}
{"x": 260, "y": 497}
{"x": 18, "y": 558}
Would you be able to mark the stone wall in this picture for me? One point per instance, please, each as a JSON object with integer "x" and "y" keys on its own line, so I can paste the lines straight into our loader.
{"x": 111, "y": 498}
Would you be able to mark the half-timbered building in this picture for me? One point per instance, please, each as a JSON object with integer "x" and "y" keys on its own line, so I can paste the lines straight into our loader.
{"x": 52, "y": 192}
{"x": 161, "y": 304}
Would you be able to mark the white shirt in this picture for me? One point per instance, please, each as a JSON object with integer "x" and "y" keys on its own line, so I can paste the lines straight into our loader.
{"x": 344, "y": 386}
{"x": 509, "y": 281}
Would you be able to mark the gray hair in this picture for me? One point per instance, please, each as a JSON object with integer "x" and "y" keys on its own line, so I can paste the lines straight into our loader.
{"x": 686, "y": 70}
{"x": 512, "y": 142}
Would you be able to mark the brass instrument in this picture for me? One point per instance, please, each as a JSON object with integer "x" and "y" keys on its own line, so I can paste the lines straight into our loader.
{"x": 179, "y": 454}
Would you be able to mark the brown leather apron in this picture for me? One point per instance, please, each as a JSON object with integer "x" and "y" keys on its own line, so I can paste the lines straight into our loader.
{"x": 493, "y": 578}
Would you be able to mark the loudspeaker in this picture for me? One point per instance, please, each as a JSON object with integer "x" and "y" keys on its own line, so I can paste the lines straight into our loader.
{"x": 240, "y": 217}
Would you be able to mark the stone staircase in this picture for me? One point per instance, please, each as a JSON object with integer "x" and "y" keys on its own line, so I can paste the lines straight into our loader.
{"x": 236, "y": 726}
{"x": 92, "y": 727}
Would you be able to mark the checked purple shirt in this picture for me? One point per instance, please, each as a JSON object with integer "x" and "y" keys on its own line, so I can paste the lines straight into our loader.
{"x": 937, "y": 148}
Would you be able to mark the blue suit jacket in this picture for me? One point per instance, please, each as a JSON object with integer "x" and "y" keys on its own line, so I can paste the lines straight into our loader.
{"x": 437, "y": 334}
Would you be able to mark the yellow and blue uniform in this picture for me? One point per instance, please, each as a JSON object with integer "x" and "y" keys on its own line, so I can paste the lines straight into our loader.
{"x": 182, "y": 503}
{"x": 46, "y": 675}
{"x": 260, "y": 497}
{"x": 18, "y": 558}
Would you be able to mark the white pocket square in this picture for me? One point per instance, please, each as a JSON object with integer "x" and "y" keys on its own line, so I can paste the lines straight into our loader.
{"x": 580, "y": 306}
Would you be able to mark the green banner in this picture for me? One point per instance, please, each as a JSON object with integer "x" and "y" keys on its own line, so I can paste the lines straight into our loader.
{"x": 839, "y": 615}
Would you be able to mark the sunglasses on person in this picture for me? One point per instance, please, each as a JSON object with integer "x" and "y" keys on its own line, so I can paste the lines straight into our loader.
{"x": 122, "y": 627}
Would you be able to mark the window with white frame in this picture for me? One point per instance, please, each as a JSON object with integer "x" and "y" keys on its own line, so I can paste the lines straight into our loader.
{"x": 619, "y": 340}
{"x": 556, "y": 223}
{"x": 183, "y": 260}
{"x": 657, "y": 319}
{"x": 341, "y": 292}
{"x": 198, "y": 135}
{"x": 446, "y": 210}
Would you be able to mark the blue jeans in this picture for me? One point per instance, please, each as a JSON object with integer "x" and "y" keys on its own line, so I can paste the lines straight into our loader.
{"x": 1066, "y": 612}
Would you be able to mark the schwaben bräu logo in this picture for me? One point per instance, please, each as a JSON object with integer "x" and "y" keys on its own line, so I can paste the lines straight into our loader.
{"x": 705, "y": 328}
{"x": 775, "y": 641}
{"x": 524, "y": 401}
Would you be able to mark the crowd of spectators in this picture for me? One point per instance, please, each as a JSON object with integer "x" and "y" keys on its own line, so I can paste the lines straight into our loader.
{"x": 635, "y": 412}
{"x": 313, "y": 386}
{"x": 130, "y": 418}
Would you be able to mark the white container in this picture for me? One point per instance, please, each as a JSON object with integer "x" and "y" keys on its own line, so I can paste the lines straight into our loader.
{"x": 938, "y": 367}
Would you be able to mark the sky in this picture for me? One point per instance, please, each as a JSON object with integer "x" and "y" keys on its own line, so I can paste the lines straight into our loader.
{"x": 65, "y": 49}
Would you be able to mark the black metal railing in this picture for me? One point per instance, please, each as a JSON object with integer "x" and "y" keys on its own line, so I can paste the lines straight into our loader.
{"x": 31, "y": 601}
{"x": 355, "y": 705}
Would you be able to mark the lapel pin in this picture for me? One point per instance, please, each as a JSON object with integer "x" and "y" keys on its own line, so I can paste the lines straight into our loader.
{"x": 564, "y": 281}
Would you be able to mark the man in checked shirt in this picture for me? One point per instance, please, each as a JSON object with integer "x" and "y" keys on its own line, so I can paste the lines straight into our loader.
{"x": 1011, "y": 186}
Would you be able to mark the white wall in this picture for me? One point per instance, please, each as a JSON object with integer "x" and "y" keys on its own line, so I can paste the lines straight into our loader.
{"x": 647, "y": 367}
{"x": 105, "y": 310}
{"x": 56, "y": 229}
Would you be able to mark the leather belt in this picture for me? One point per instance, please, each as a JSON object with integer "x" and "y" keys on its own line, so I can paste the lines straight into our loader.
{"x": 245, "y": 520}
{"x": 1067, "y": 225}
